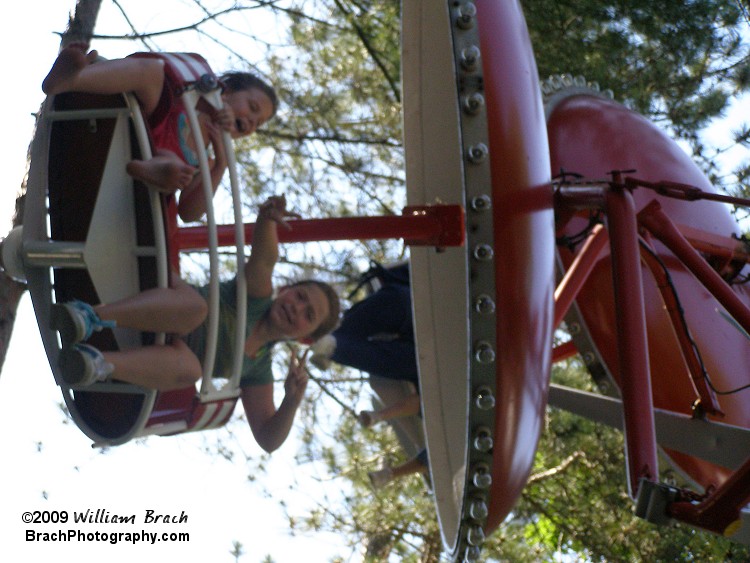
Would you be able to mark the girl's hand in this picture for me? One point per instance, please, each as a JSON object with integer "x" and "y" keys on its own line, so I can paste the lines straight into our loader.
{"x": 224, "y": 119}
{"x": 216, "y": 138}
{"x": 297, "y": 378}
{"x": 274, "y": 209}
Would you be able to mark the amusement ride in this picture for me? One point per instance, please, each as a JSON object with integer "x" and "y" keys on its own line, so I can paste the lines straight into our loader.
{"x": 557, "y": 207}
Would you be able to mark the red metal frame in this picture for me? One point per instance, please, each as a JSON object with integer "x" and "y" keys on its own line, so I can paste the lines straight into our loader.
{"x": 653, "y": 219}
{"x": 719, "y": 509}
{"x": 434, "y": 225}
{"x": 635, "y": 386}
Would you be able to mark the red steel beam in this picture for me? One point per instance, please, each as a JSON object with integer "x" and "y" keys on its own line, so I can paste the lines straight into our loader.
{"x": 635, "y": 375}
{"x": 578, "y": 272}
{"x": 657, "y": 222}
{"x": 720, "y": 511}
{"x": 434, "y": 225}
{"x": 564, "y": 351}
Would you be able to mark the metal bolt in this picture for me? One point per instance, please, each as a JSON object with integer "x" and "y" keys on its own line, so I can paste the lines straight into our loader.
{"x": 483, "y": 440}
{"x": 473, "y": 104}
{"x": 484, "y": 398}
{"x": 475, "y": 536}
{"x": 478, "y": 509}
{"x": 481, "y": 477}
{"x": 470, "y": 57}
{"x": 478, "y": 153}
{"x": 465, "y": 15}
{"x": 481, "y": 202}
{"x": 484, "y": 353}
{"x": 472, "y": 554}
{"x": 484, "y": 304}
{"x": 483, "y": 252}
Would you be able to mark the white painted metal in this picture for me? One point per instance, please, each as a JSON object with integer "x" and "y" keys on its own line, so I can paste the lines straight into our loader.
{"x": 434, "y": 172}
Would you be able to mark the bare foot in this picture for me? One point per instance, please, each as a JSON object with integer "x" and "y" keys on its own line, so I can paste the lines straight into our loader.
{"x": 71, "y": 60}
{"x": 162, "y": 172}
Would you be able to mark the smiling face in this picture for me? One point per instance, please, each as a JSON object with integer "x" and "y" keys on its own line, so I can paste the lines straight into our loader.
{"x": 299, "y": 310}
{"x": 251, "y": 107}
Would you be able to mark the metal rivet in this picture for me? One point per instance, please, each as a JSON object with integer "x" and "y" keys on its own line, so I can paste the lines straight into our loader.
{"x": 481, "y": 477}
{"x": 465, "y": 15}
{"x": 473, "y": 104}
{"x": 484, "y": 353}
{"x": 478, "y": 153}
{"x": 483, "y": 440}
{"x": 483, "y": 252}
{"x": 574, "y": 328}
{"x": 484, "y": 398}
{"x": 478, "y": 509}
{"x": 475, "y": 536}
{"x": 472, "y": 554}
{"x": 481, "y": 202}
{"x": 589, "y": 358}
{"x": 470, "y": 58}
{"x": 484, "y": 304}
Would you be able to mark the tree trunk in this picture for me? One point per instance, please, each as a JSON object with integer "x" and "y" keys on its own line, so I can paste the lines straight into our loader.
{"x": 80, "y": 29}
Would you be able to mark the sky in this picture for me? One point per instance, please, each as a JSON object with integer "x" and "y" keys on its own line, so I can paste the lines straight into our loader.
{"x": 49, "y": 465}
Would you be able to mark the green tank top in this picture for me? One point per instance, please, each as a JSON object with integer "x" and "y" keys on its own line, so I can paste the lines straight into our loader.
{"x": 256, "y": 370}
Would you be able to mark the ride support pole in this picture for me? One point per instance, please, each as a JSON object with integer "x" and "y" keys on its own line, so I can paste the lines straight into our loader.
{"x": 635, "y": 375}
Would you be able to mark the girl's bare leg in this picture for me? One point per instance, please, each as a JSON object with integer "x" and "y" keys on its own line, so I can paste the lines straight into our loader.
{"x": 178, "y": 309}
{"x": 172, "y": 366}
{"x": 72, "y": 72}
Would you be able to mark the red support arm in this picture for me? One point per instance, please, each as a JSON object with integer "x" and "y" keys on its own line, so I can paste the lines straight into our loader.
{"x": 657, "y": 222}
{"x": 578, "y": 272}
{"x": 635, "y": 375}
{"x": 434, "y": 225}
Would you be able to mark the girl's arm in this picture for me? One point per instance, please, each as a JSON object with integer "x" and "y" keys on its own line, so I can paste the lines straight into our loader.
{"x": 192, "y": 202}
{"x": 271, "y": 426}
{"x": 265, "y": 248}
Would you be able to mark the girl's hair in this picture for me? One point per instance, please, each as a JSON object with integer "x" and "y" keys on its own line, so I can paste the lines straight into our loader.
{"x": 237, "y": 81}
{"x": 334, "y": 308}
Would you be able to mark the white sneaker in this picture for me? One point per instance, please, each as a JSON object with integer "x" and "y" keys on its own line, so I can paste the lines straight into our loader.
{"x": 82, "y": 365}
{"x": 76, "y": 321}
{"x": 322, "y": 350}
{"x": 381, "y": 477}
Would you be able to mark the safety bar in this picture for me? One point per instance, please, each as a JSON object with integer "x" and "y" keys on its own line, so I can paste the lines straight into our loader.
{"x": 160, "y": 237}
{"x": 208, "y": 391}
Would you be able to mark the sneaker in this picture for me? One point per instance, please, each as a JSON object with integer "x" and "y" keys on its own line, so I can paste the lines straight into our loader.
{"x": 322, "y": 350}
{"x": 380, "y": 478}
{"x": 76, "y": 321}
{"x": 82, "y": 365}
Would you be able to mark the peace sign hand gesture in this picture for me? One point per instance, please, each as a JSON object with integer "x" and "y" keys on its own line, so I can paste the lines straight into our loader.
{"x": 297, "y": 378}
